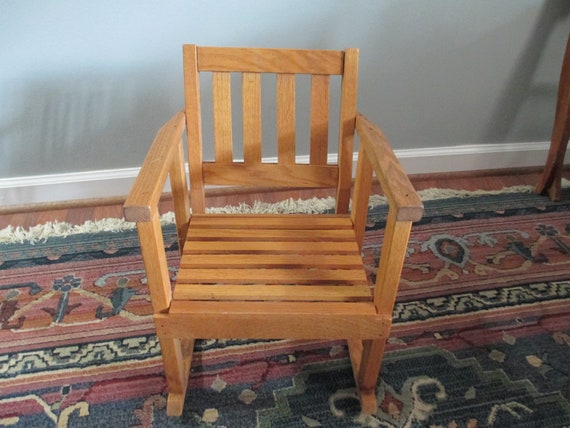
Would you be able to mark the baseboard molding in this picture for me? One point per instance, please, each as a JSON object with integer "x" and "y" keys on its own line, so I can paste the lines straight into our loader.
{"x": 117, "y": 182}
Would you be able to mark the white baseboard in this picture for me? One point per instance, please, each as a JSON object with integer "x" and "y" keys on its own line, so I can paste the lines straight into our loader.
{"x": 474, "y": 157}
{"x": 117, "y": 182}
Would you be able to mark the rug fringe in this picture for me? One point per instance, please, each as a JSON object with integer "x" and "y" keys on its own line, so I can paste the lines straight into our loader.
{"x": 41, "y": 232}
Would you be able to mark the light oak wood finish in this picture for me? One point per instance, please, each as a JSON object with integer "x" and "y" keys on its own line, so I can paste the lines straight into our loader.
{"x": 346, "y": 129}
{"x": 294, "y": 175}
{"x": 270, "y": 320}
{"x": 251, "y": 110}
{"x": 320, "y": 105}
{"x": 162, "y": 159}
{"x": 393, "y": 180}
{"x": 259, "y": 60}
{"x": 179, "y": 188}
{"x": 222, "y": 99}
{"x": 286, "y": 119}
{"x": 194, "y": 124}
{"x": 272, "y": 276}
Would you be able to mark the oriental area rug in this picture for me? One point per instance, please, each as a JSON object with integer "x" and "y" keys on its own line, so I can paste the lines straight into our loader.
{"x": 481, "y": 335}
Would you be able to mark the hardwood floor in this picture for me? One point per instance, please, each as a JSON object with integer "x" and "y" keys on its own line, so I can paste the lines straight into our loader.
{"x": 78, "y": 212}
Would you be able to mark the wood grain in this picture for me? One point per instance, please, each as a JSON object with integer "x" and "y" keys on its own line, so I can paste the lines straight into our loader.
{"x": 181, "y": 200}
{"x": 279, "y": 175}
{"x": 320, "y": 100}
{"x": 194, "y": 127}
{"x": 148, "y": 186}
{"x": 394, "y": 181}
{"x": 156, "y": 266}
{"x": 348, "y": 95}
{"x": 251, "y": 108}
{"x": 286, "y": 118}
{"x": 269, "y": 247}
{"x": 273, "y": 221}
{"x": 271, "y": 320}
{"x": 222, "y": 103}
{"x": 258, "y": 60}
{"x": 271, "y": 261}
{"x": 279, "y": 293}
{"x": 361, "y": 195}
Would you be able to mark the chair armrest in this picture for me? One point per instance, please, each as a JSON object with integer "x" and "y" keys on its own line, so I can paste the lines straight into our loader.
{"x": 147, "y": 189}
{"x": 395, "y": 183}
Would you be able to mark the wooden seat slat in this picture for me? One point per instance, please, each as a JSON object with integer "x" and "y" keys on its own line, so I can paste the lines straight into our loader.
{"x": 272, "y": 276}
{"x": 288, "y": 221}
{"x": 269, "y": 247}
{"x": 197, "y": 234}
{"x": 283, "y": 293}
{"x": 271, "y": 261}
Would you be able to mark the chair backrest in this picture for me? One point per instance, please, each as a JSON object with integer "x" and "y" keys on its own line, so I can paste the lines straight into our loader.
{"x": 251, "y": 171}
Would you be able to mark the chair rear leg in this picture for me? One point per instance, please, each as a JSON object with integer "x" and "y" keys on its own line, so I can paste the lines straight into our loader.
{"x": 366, "y": 357}
{"x": 177, "y": 358}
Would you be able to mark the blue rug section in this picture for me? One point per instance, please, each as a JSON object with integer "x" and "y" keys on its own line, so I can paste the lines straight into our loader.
{"x": 497, "y": 385}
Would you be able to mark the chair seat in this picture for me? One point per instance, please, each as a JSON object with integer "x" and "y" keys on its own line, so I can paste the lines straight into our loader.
{"x": 275, "y": 258}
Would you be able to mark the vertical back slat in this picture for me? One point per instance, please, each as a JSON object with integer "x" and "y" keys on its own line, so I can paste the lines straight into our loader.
{"x": 194, "y": 128}
{"x": 346, "y": 129}
{"x": 320, "y": 85}
{"x": 286, "y": 118}
{"x": 251, "y": 108}
{"x": 222, "y": 104}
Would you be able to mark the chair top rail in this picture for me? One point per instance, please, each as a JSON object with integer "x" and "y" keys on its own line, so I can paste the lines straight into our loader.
{"x": 263, "y": 60}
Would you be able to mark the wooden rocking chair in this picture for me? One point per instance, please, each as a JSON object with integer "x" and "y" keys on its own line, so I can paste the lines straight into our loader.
{"x": 271, "y": 276}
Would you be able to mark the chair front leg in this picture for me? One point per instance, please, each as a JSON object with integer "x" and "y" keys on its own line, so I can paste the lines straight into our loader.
{"x": 366, "y": 373}
{"x": 177, "y": 359}
{"x": 176, "y": 353}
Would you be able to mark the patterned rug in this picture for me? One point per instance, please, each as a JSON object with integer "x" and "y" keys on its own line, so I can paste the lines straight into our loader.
{"x": 481, "y": 335}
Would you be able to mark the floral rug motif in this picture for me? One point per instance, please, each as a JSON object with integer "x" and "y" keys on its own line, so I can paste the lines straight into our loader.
{"x": 481, "y": 334}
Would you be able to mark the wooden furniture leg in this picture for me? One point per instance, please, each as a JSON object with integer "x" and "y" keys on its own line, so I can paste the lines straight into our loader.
{"x": 552, "y": 176}
{"x": 177, "y": 357}
{"x": 366, "y": 358}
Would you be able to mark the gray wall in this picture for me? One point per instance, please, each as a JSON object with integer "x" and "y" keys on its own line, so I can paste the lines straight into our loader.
{"x": 84, "y": 85}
